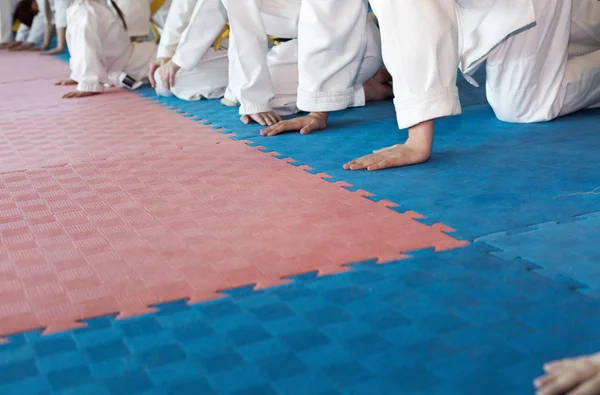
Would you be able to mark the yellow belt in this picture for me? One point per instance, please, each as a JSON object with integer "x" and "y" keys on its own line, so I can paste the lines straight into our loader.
{"x": 156, "y": 5}
{"x": 16, "y": 26}
{"x": 225, "y": 34}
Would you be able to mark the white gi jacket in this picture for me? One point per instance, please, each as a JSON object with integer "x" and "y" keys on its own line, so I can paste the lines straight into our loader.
{"x": 60, "y": 13}
{"x": 99, "y": 45}
{"x": 35, "y": 34}
{"x": 206, "y": 22}
{"x": 177, "y": 21}
{"x": 137, "y": 15}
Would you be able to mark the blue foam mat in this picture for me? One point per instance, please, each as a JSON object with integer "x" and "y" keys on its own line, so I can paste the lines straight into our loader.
{"x": 458, "y": 322}
{"x": 562, "y": 249}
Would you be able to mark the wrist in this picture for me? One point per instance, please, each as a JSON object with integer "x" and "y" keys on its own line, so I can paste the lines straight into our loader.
{"x": 421, "y": 135}
{"x": 321, "y": 115}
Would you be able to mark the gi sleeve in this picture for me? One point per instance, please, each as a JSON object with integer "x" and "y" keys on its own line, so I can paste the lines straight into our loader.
{"x": 178, "y": 19}
{"x": 85, "y": 47}
{"x": 207, "y": 21}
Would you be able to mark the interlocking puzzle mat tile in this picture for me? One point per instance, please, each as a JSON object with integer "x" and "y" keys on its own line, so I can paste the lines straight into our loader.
{"x": 38, "y": 128}
{"x": 117, "y": 235}
{"x": 458, "y": 322}
{"x": 564, "y": 251}
{"x": 28, "y": 66}
{"x": 485, "y": 176}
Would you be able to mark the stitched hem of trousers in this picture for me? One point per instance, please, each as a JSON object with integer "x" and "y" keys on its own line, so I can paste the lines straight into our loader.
{"x": 325, "y": 101}
{"x": 436, "y": 103}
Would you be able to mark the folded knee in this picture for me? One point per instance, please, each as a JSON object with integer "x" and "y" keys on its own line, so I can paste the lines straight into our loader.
{"x": 161, "y": 89}
{"x": 507, "y": 111}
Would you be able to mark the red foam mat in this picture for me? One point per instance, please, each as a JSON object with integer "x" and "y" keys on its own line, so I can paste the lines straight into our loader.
{"x": 134, "y": 210}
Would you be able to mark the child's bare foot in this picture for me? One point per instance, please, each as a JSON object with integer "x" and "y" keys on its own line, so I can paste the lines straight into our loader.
{"x": 65, "y": 82}
{"x": 262, "y": 118}
{"x": 577, "y": 376}
{"x": 55, "y": 51}
{"x": 5, "y": 45}
{"x": 378, "y": 87}
{"x": 417, "y": 149}
{"x": 78, "y": 94}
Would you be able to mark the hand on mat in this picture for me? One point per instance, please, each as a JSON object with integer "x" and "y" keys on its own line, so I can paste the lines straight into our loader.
{"x": 65, "y": 82}
{"x": 416, "y": 149}
{"x": 305, "y": 124}
{"x": 577, "y": 376}
{"x": 78, "y": 94}
{"x": 262, "y": 118}
{"x": 21, "y": 47}
{"x": 153, "y": 67}
{"x": 5, "y": 45}
{"x": 394, "y": 156}
{"x": 167, "y": 73}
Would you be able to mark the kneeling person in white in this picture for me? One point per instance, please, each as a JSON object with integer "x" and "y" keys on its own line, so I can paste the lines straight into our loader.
{"x": 265, "y": 81}
{"x": 101, "y": 51}
{"x": 543, "y": 61}
{"x": 191, "y": 66}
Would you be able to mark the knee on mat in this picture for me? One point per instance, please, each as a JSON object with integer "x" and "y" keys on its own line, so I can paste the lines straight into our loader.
{"x": 161, "y": 89}
{"x": 513, "y": 110}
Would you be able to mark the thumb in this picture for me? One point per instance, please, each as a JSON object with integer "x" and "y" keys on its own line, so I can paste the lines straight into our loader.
{"x": 312, "y": 125}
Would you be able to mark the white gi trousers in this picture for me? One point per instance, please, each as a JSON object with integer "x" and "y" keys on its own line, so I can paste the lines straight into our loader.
{"x": 332, "y": 42}
{"x": 283, "y": 66}
{"x": 551, "y": 69}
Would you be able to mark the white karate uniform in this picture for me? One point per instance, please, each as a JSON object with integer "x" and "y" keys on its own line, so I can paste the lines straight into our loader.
{"x": 7, "y": 8}
{"x": 526, "y": 44}
{"x": 203, "y": 72}
{"x": 100, "y": 47}
{"x": 551, "y": 69}
{"x": 178, "y": 19}
{"x": 60, "y": 13}
{"x": 137, "y": 15}
{"x": 264, "y": 81}
{"x": 332, "y": 41}
{"x": 35, "y": 33}
{"x": 22, "y": 33}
